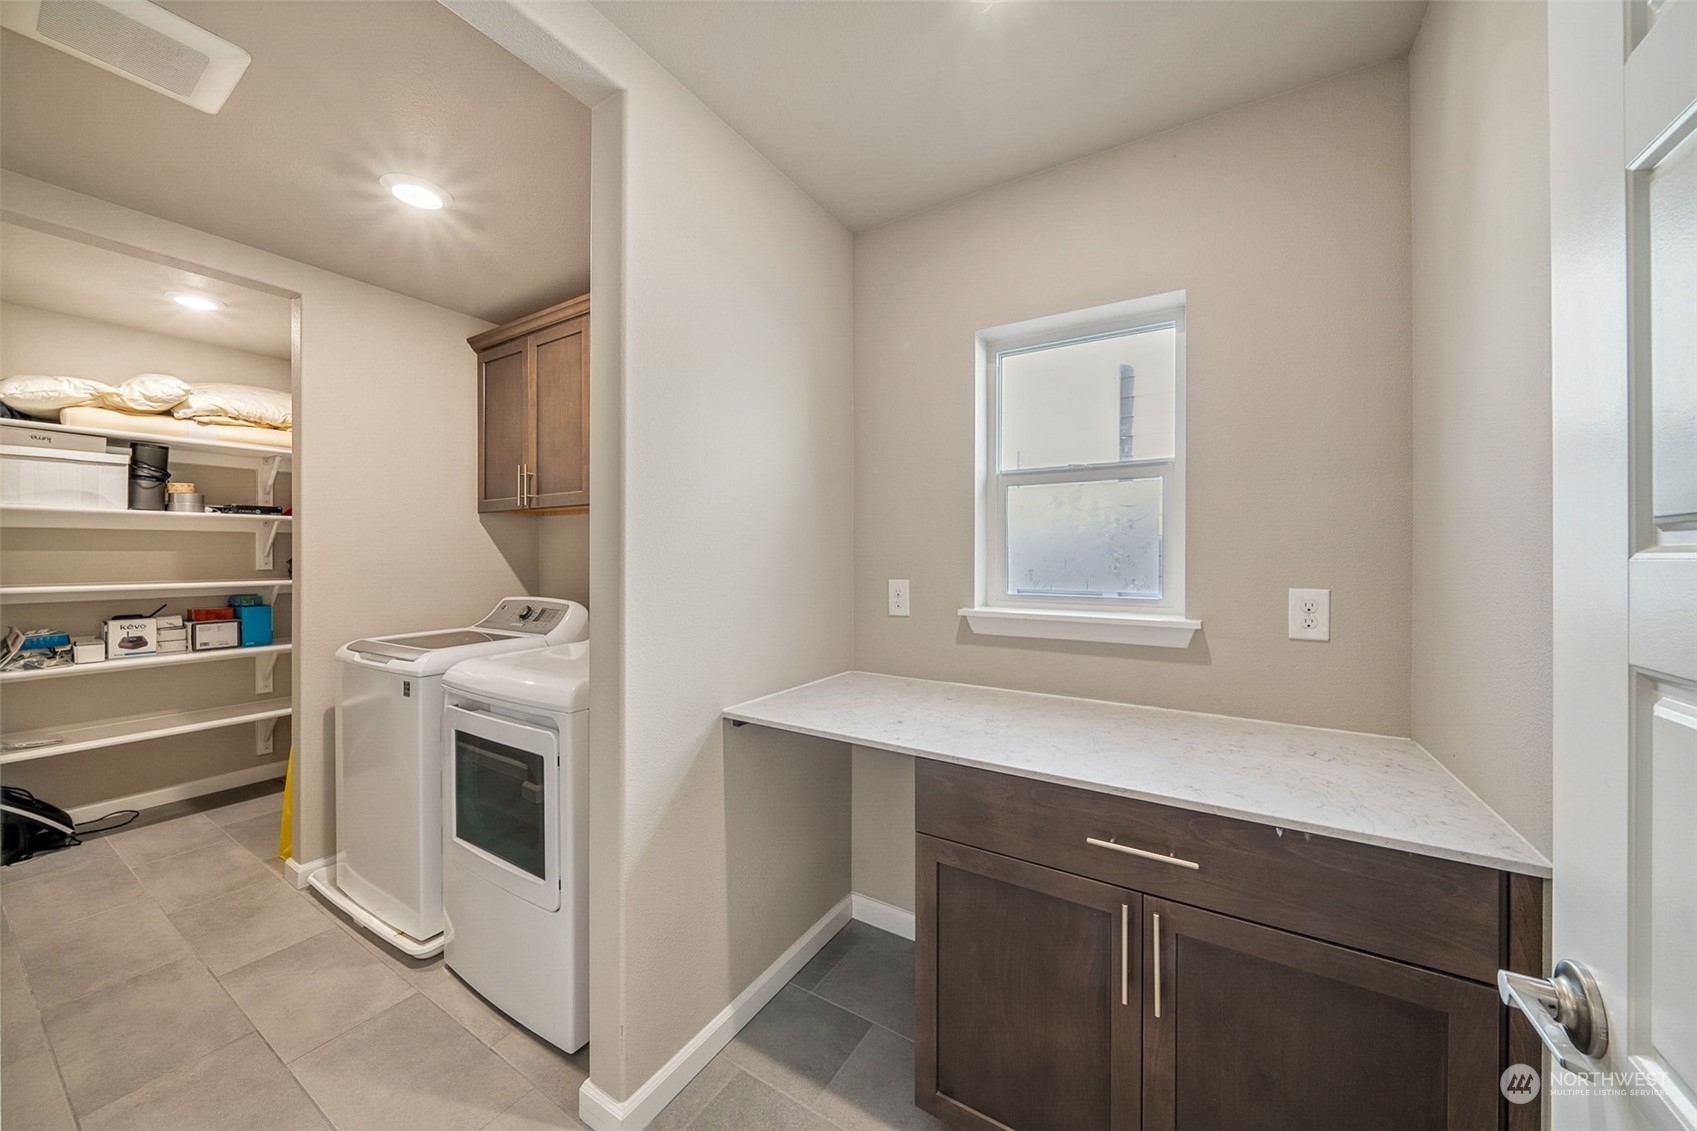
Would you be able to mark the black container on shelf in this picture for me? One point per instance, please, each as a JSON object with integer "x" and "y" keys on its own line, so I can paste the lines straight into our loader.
{"x": 150, "y": 470}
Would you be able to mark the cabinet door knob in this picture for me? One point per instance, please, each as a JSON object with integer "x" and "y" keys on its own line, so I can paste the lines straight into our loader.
{"x": 1144, "y": 853}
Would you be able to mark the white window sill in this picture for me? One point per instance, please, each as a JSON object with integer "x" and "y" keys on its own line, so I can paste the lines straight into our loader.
{"x": 1149, "y": 629}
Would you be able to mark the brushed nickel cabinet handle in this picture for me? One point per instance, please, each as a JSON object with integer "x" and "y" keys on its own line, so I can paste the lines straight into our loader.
{"x": 1157, "y": 945}
{"x": 519, "y": 494}
{"x": 1125, "y": 954}
{"x": 1144, "y": 853}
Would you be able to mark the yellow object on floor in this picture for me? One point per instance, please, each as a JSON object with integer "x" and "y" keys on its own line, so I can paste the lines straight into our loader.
{"x": 285, "y": 834}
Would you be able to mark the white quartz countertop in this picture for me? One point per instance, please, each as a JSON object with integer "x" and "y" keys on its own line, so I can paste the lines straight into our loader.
{"x": 1360, "y": 787}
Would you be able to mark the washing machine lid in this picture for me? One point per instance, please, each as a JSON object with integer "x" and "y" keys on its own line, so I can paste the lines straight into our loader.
{"x": 432, "y": 653}
{"x": 516, "y": 624}
{"x": 551, "y": 679}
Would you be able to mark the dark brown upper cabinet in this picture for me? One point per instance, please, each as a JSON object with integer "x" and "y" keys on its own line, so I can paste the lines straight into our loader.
{"x": 533, "y": 412}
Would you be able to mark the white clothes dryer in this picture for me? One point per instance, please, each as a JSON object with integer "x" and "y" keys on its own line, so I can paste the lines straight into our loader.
{"x": 387, "y": 872}
{"x": 516, "y": 836}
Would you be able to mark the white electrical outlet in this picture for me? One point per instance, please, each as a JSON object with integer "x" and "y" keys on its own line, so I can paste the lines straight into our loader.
{"x": 898, "y": 597}
{"x": 1310, "y": 614}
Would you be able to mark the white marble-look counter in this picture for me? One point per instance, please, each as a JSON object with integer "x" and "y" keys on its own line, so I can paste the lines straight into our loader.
{"x": 1360, "y": 787}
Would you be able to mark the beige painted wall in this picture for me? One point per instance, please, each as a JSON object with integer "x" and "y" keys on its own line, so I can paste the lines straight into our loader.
{"x": 35, "y": 340}
{"x": 562, "y": 556}
{"x": 1286, "y": 221}
{"x": 722, "y": 504}
{"x": 388, "y": 533}
{"x": 883, "y": 826}
{"x": 1482, "y": 551}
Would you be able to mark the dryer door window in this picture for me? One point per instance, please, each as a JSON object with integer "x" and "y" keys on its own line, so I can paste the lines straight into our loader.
{"x": 498, "y": 801}
{"x": 503, "y": 803}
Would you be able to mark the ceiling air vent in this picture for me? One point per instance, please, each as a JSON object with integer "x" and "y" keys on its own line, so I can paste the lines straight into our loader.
{"x": 140, "y": 41}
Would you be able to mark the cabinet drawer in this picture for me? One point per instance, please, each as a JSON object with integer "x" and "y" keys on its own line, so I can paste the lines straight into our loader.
{"x": 1436, "y": 913}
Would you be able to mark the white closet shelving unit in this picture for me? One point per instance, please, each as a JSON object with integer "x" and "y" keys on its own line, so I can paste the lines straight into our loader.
{"x": 264, "y": 709}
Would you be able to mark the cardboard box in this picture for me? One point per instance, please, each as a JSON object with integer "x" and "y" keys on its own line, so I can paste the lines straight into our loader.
{"x": 88, "y": 650}
{"x": 205, "y": 635}
{"x": 166, "y": 647}
{"x": 171, "y": 622}
{"x": 127, "y": 637}
{"x": 196, "y": 615}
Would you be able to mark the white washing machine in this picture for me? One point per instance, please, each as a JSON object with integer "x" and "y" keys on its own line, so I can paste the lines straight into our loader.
{"x": 516, "y": 836}
{"x": 387, "y": 872}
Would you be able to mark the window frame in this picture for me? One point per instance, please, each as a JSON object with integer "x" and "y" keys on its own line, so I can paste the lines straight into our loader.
{"x": 997, "y": 611}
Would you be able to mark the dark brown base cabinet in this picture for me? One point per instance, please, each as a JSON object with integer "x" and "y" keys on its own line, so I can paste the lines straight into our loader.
{"x": 1095, "y": 995}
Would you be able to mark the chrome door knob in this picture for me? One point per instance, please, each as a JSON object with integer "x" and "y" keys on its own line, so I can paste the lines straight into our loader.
{"x": 1566, "y": 1011}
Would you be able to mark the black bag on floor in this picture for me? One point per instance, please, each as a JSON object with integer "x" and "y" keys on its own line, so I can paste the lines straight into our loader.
{"x": 31, "y": 825}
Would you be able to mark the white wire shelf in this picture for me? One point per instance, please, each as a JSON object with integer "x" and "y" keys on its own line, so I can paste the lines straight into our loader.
{"x": 138, "y": 728}
{"x": 91, "y": 518}
{"x": 166, "y": 590}
{"x": 148, "y": 663}
{"x": 213, "y": 452}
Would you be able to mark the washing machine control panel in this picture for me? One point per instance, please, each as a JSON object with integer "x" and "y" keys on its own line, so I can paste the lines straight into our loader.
{"x": 537, "y": 615}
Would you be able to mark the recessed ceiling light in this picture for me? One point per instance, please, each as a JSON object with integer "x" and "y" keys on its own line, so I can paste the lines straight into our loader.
{"x": 415, "y": 191}
{"x": 196, "y": 302}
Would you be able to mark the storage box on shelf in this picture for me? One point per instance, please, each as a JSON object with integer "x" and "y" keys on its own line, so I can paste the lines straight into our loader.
{"x": 57, "y": 477}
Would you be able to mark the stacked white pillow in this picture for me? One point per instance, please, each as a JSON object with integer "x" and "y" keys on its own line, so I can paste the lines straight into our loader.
{"x": 40, "y": 396}
{"x": 237, "y": 404}
{"x": 146, "y": 392}
{"x": 149, "y": 393}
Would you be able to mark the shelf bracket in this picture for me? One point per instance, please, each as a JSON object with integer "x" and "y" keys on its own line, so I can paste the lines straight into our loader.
{"x": 266, "y": 474}
{"x": 264, "y": 733}
{"x": 264, "y": 673}
{"x": 264, "y": 540}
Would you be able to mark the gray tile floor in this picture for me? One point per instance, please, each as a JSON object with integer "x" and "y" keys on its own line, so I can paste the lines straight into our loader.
{"x": 833, "y": 1049}
{"x": 167, "y": 976}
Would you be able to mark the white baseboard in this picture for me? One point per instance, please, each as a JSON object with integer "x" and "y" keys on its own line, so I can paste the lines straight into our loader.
{"x": 603, "y": 1113}
{"x": 300, "y": 873}
{"x": 884, "y": 916}
{"x": 200, "y": 788}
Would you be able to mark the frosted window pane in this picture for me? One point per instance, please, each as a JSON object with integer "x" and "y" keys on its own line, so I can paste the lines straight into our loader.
{"x": 1100, "y": 539}
{"x": 1673, "y": 339}
{"x": 1099, "y": 401}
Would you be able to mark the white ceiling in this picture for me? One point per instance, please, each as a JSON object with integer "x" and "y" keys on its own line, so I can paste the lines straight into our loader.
{"x": 337, "y": 95}
{"x": 50, "y": 272}
{"x": 880, "y": 108}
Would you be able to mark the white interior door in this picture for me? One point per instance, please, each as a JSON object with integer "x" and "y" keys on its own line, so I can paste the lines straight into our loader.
{"x": 1623, "y": 163}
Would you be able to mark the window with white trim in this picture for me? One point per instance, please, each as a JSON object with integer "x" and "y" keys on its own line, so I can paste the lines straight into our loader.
{"x": 1081, "y": 504}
